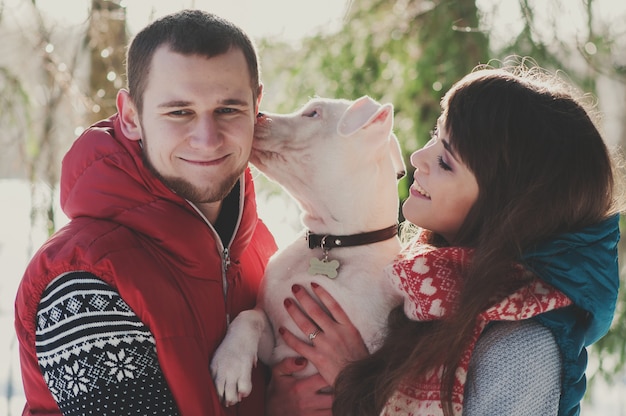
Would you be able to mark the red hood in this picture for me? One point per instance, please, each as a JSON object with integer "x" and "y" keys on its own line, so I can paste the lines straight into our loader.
{"x": 103, "y": 176}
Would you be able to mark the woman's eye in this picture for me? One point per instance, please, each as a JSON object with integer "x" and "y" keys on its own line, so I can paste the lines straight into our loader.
{"x": 443, "y": 164}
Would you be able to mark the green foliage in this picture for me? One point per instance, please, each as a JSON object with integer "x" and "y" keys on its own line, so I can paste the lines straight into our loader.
{"x": 404, "y": 52}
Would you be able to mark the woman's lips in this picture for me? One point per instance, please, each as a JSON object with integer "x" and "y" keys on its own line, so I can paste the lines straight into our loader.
{"x": 417, "y": 190}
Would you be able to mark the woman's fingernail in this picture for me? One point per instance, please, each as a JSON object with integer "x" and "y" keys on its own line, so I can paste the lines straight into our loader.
{"x": 295, "y": 288}
{"x": 314, "y": 285}
{"x": 300, "y": 361}
{"x": 288, "y": 302}
{"x": 281, "y": 330}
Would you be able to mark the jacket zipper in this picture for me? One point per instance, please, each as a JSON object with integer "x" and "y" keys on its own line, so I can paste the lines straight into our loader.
{"x": 226, "y": 250}
{"x": 225, "y": 253}
{"x": 225, "y": 264}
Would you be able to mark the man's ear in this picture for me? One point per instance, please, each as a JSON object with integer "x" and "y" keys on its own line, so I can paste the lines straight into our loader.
{"x": 129, "y": 116}
{"x": 259, "y": 96}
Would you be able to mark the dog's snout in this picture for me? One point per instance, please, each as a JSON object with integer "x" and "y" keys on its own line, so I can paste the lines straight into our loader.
{"x": 260, "y": 114}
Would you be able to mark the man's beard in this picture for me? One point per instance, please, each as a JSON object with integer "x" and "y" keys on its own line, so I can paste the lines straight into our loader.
{"x": 214, "y": 192}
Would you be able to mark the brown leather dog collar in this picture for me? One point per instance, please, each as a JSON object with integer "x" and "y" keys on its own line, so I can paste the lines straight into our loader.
{"x": 328, "y": 241}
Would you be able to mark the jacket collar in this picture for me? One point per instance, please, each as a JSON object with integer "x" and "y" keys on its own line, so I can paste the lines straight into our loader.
{"x": 583, "y": 265}
{"x": 103, "y": 177}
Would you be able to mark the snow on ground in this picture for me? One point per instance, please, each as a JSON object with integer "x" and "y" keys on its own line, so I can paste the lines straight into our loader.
{"x": 17, "y": 245}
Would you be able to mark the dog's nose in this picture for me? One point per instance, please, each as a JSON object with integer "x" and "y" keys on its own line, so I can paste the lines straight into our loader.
{"x": 259, "y": 115}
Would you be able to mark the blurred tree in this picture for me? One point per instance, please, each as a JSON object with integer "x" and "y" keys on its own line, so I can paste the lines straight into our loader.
{"x": 49, "y": 92}
{"x": 41, "y": 142}
{"x": 106, "y": 42}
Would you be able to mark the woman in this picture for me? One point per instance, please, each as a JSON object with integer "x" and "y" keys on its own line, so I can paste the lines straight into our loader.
{"x": 512, "y": 273}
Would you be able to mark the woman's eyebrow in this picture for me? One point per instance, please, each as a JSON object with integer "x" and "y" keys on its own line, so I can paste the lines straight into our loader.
{"x": 447, "y": 146}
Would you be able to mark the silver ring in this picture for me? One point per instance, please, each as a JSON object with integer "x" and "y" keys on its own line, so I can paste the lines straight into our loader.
{"x": 313, "y": 334}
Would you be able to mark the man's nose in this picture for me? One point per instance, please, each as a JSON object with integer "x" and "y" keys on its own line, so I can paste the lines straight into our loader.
{"x": 206, "y": 132}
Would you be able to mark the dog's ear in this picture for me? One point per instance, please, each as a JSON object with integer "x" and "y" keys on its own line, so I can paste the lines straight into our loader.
{"x": 363, "y": 112}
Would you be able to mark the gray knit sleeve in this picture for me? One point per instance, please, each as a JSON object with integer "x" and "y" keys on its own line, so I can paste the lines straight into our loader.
{"x": 515, "y": 370}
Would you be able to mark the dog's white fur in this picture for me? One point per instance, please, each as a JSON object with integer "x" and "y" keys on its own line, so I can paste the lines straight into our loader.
{"x": 340, "y": 161}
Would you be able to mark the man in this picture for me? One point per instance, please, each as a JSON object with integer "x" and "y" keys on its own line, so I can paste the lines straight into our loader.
{"x": 121, "y": 310}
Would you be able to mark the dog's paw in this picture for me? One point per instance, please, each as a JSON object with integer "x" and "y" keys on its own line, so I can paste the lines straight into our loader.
{"x": 231, "y": 372}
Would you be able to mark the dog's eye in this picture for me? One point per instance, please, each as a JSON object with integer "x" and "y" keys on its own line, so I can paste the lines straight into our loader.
{"x": 312, "y": 114}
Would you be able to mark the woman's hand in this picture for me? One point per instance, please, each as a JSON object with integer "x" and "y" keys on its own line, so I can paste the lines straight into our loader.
{"x": 288, "y": 395}
{"x": 334, "y": 340}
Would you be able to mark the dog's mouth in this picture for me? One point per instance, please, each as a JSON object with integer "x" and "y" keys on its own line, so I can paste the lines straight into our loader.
{"x": 260, "y": 144}
{"x": 259, "y": 151}
{"x": 262, "y": 119}
{"x": 261, "y": 127}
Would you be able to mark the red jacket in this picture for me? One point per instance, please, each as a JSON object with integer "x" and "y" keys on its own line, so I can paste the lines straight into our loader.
{"x": 165, "y": 261}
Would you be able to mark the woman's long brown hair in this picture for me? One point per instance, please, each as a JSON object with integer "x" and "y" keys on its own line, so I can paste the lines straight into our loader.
{"x": 542, "y": 169}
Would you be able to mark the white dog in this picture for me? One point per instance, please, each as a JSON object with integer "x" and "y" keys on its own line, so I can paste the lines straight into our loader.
{"x": 340, "y": 161}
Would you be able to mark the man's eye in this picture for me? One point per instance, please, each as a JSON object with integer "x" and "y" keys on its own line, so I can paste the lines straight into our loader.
{"x": 178, "y": 113}
{"x": 226, "y": 110}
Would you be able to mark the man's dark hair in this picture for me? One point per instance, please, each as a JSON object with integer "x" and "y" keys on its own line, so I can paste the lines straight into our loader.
{"x": 188, "y": 32}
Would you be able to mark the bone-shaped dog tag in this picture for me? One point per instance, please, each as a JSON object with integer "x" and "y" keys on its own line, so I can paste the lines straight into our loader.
{"x": 325, "y": 267}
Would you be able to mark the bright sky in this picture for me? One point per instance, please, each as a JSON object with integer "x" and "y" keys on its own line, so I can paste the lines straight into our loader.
{"x": 294, "y": 19}
{"x": 289, "y": 19}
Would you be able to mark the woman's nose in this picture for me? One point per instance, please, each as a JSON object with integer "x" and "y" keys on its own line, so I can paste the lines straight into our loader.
{"x": 418, "y": 160}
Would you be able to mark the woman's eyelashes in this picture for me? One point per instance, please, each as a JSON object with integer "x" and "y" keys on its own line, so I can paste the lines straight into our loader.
{"x": 434, "y": 136}
{"x": 442, "y": 164}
